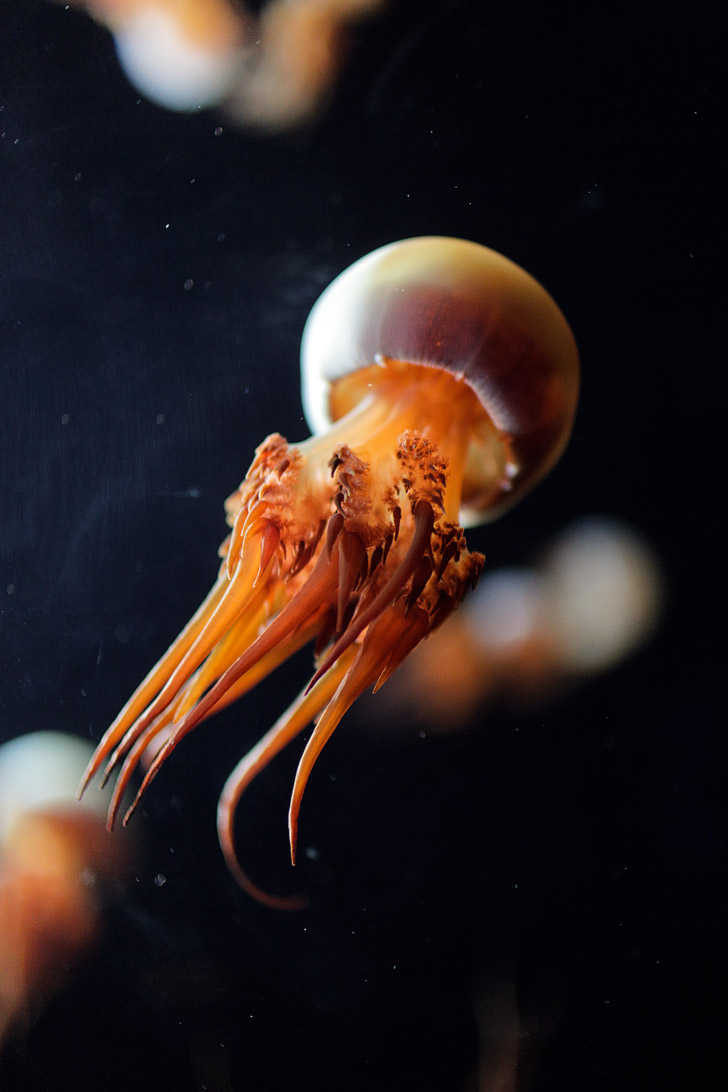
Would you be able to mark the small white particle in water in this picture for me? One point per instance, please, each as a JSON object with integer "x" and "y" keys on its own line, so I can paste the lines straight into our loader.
{"x": 65, "y": 418}
{"x": 83, "y": 691}
{"x": 189, "y": 283}
{"x": 11, "y": 589}
{"x": 77, "y": 177}
{"x": 218, "y": 131}
{"x": 160, "y": 418}
{"x": 160, "y": 880}
{"x": 166, "y": 226}
{"x": 221, "y": 237}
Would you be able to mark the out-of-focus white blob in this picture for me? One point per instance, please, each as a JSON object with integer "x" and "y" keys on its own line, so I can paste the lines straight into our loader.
{"x": 41, "y": 770}
{"x": 508, "y": 607}
{"x": 172, "y": 69}
{"x": 52, "y": 850}
{"x": 181, "y": 54}
{"x": 526, "y": 633}
{"x": 607, "y": 593}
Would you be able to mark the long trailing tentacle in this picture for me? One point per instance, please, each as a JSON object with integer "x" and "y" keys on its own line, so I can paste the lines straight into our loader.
{"x": 388, "y": 639}
{"x": 302, "y": 712}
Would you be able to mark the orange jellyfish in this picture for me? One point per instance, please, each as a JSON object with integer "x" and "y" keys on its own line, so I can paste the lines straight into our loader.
{"x": 440, "y": 381}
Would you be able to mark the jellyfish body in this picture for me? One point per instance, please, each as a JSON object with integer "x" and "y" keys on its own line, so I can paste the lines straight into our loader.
{"x": 51, "y": 852}
{"x": 440, "y": 380}
{"x": 272, "y": 70}
{"x": 181, "y": 54}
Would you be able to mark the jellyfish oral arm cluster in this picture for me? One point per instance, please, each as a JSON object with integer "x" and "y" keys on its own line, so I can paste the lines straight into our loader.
{"x": 440, "y": 381}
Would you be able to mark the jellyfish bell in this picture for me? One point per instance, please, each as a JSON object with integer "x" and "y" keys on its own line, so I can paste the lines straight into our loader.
{"x": 440, "y": 381}
{"x": 181, "y": 54}
{"x": 460, "y": 308}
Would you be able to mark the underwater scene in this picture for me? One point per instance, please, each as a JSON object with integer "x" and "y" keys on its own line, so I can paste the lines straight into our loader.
{"x": 361, "y": 712}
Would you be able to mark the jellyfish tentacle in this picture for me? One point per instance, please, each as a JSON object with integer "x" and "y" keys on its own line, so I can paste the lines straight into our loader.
{"x": 236, "y": 597}
{"x": 424, "y": 519}
{"x": 150, "y": 686}
{"x": 126, "y": 771}
{"x": 372, "y": 657}
{"x": 299, "y": 714}
{"x": 277, "y": 641}
{"x": 174, "y": 726}
{"x": 306, "y": 602}
{"x": 204, "y": 708}
{"x": 352, "y": 570}
{"x": 352, "y": 539}
{"x": 226, "y": 651}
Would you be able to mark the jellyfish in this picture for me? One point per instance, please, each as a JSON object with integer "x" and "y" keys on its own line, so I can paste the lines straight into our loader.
{"x": 594, "y": 599}
{"x": 181, "y": 54}
{"x": 51, "y": 853}
{"x": 273, "y": 70}
{"x": 440, "y": 382}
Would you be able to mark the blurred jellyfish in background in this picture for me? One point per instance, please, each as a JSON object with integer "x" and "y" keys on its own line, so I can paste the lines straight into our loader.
{"x": 181, "y": 54}
{"x": 272, "y": 71}
{"x": 52, "y": 853}
{"x": 594, "y": 599}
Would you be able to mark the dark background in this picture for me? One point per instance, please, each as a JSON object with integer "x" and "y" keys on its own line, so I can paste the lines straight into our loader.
{"x": 579, "y": 852}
